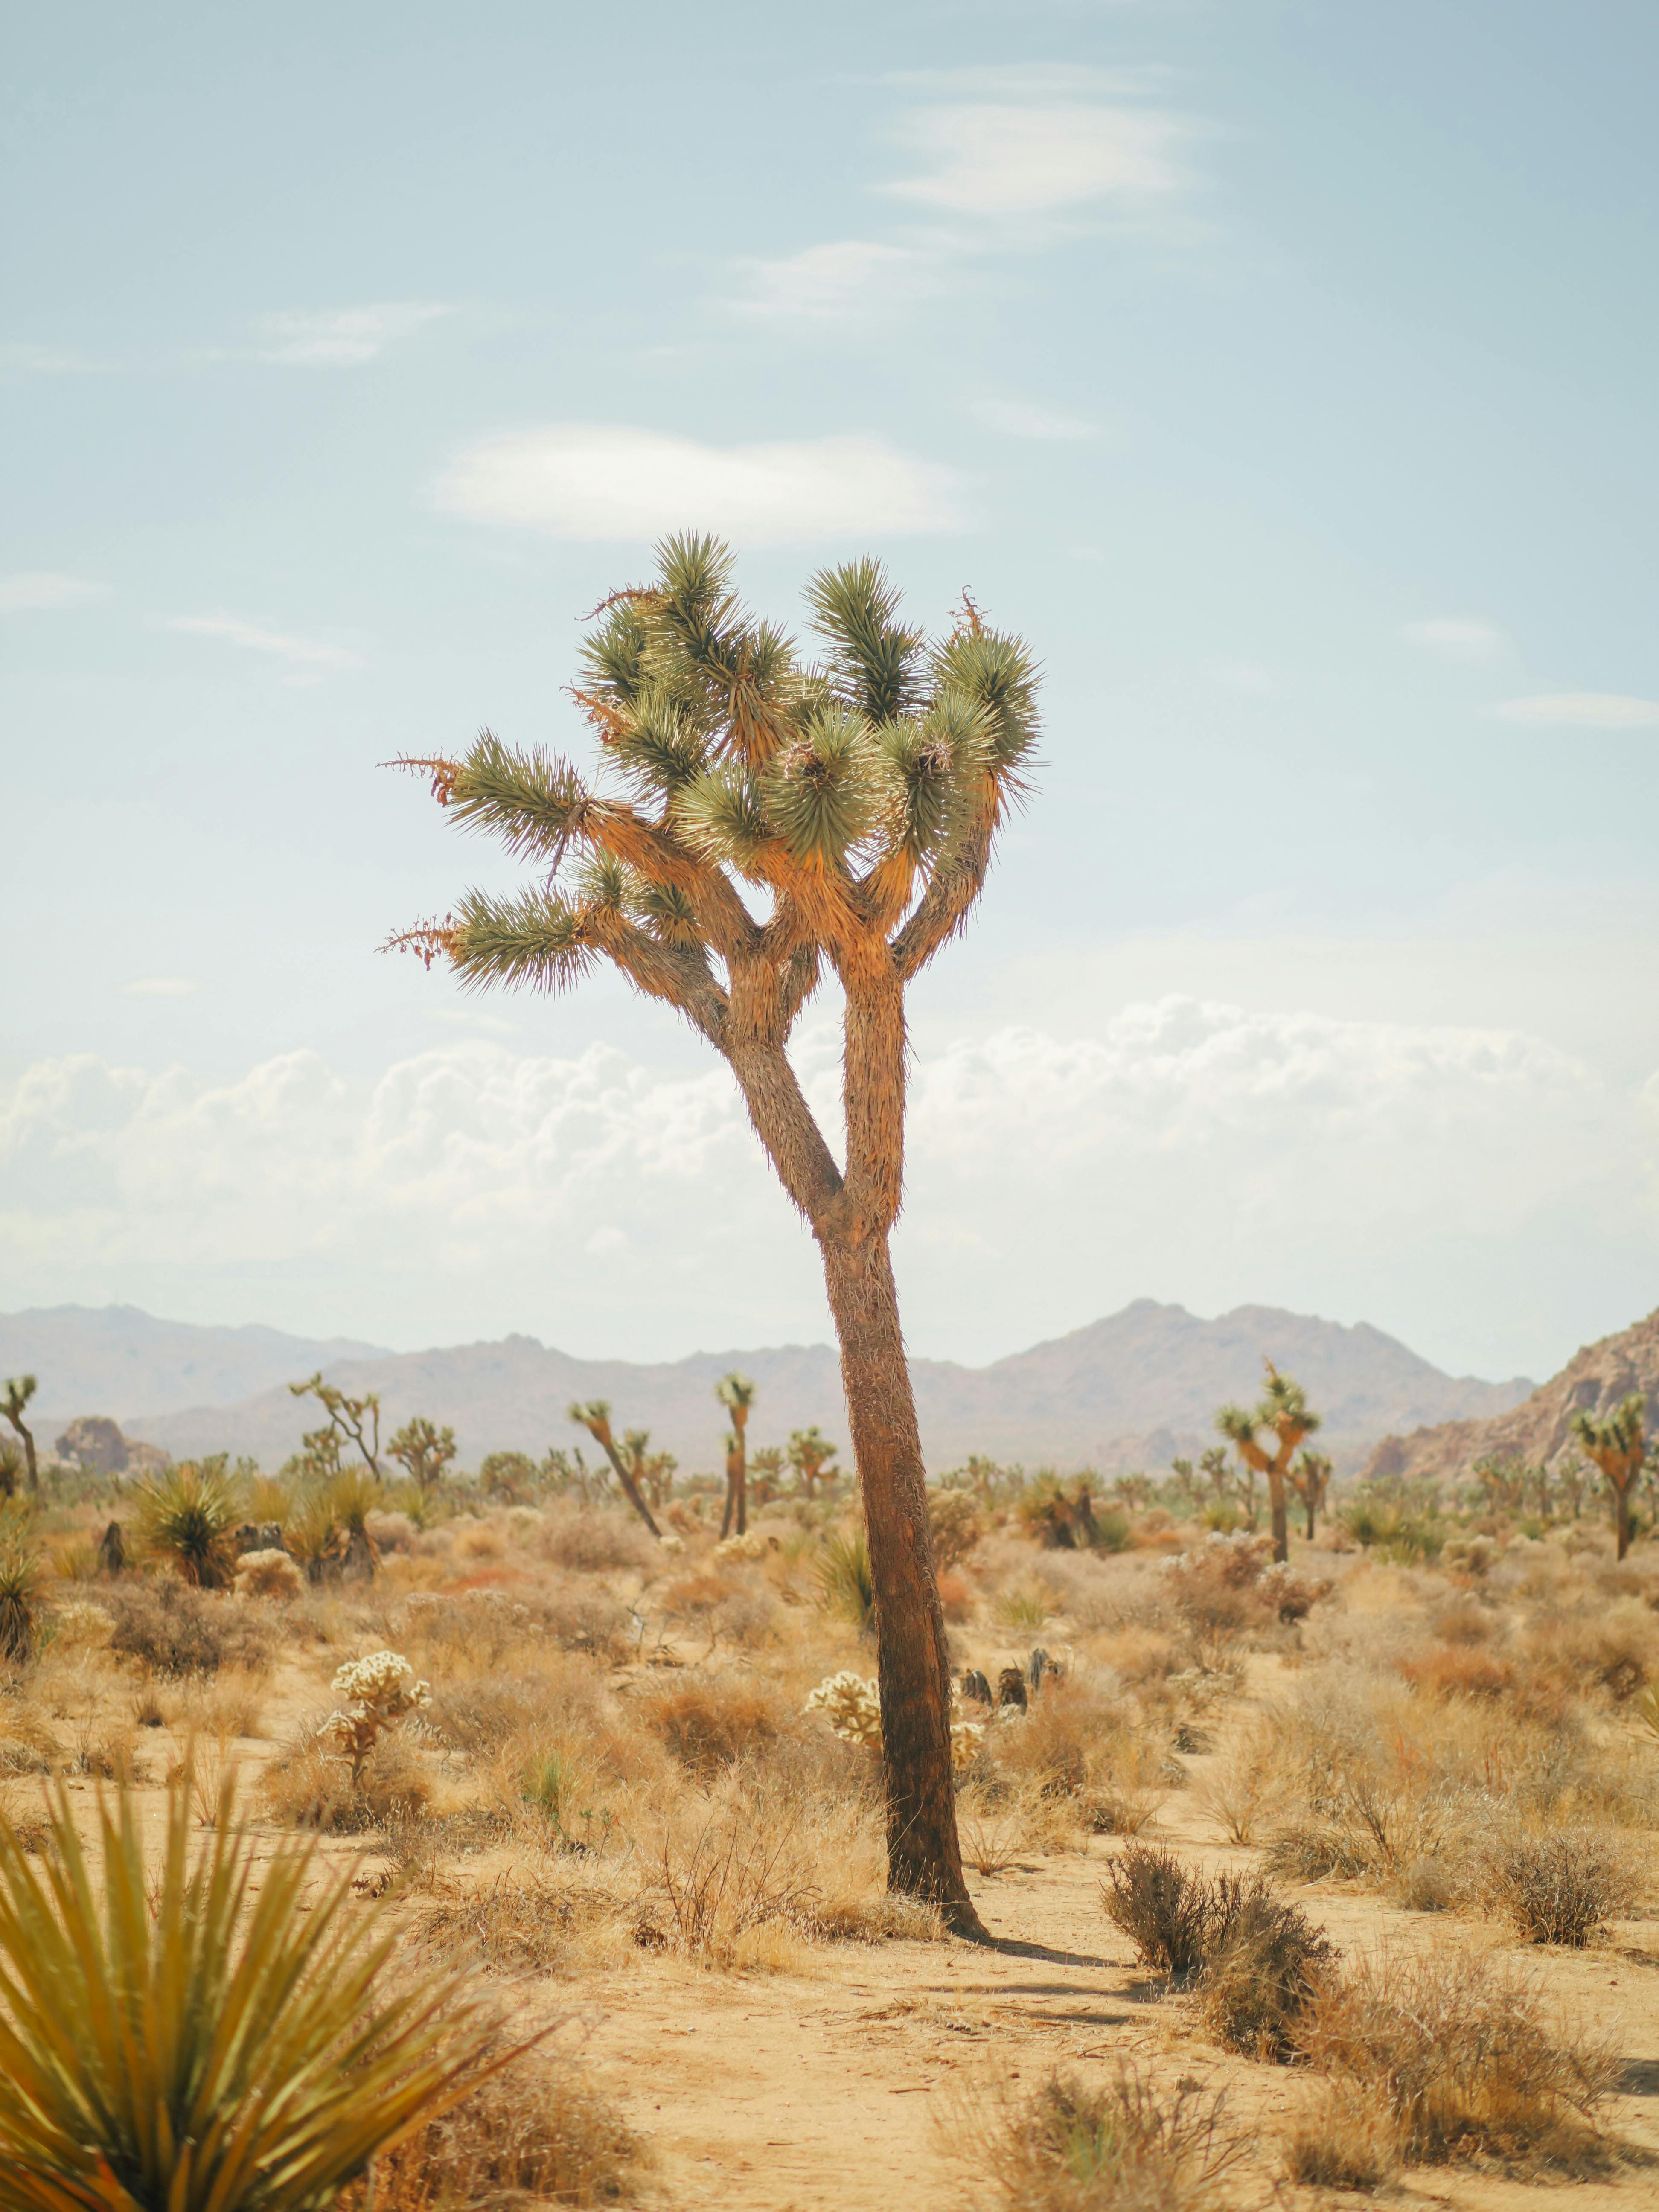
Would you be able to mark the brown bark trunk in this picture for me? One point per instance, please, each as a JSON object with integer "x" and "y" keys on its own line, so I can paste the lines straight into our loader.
{"x": 630, "y": 1488}
{"x": 1310, "y": 1520}
{"x": 1281, "y": 1523}
{"x": 1621, "y": 1519}
{"x": 924, "y": 1856}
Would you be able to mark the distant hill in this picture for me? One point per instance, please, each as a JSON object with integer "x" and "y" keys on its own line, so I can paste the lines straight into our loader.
{"x": 1127, "y": 1391}
{"x": 1595, "y": 1379}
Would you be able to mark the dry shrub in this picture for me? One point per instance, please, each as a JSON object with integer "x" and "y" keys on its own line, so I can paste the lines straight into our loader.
{"x": 1264, "y": 1963}
{"x": 1118, "y": 2146}
{"x": 710, "y": 1724}
{"x": 172, "y": 1629}
{"x": 306, "y": 1787}
{"x": 1074, "y": 1743}
{"x": 1162, "y": 1906}
{"x": 1457, "y": 1670}
{"x": 955, "y": 1525}
{"x": 1456, "y": 2049}
{"x": 1617, "y": 1652}
{"x": 1229, "y": 1588}
{"x": 592, "y": 1539}
{"x": 1562, "y": 1886}
{"x": 1342, "y": 2139}
{"x": 956, "y": 1596}
{"x": 739, "y": 1864}
{"x": 26, "y": 1744}
{"x": 538, "y": 2132}
{"x": 270, "y": 1574}
{"x": 522, "y": 1924}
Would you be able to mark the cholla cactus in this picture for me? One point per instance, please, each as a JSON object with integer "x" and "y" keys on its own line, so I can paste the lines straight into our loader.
{"x": 966, "y": 1741}
{"x": 746, "y": 1546}
{"x": 382, "y": 1689}
{"x": 851, "y": 1704}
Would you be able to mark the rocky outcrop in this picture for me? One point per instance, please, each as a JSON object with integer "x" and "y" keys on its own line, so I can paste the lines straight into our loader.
{"x": 1539, "y": 1429}
{"x": 96, "y": 1443}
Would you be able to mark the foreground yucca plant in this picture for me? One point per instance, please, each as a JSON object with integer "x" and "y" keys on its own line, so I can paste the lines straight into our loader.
{"x": 183, "y": 2045}
{"x": 188, "y": 1514}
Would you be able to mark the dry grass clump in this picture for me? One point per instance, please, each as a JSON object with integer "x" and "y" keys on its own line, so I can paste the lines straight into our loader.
{"x": 519, "y": 1923}
{"x": 540, "y": 2131}
{"x": 1454, "y": 2049}
{"x": 1562, "y": 1886}
{"x": 712, "y": 1723}
{"x": 591, "y": 1540}
{"x": 736, "y": 1864}
{"x": 172, "y": 1629}
{"x": 1119, "y": 2145}
{"x": 308, "y": 1786}
{"x": 1342, "y": 2139}
{"x": 1161, "y": 1905}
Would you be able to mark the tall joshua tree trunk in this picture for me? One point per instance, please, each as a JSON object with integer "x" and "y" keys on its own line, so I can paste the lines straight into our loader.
{"x": 913, "y": 1663}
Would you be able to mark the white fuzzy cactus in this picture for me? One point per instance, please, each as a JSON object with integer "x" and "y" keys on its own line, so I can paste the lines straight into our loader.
{"x": 852, "y": 1705}
{"x": 382, "y": 1689}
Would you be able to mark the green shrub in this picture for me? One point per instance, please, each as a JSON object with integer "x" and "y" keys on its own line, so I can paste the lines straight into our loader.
{"x": 845, "y": 1584}
{"x": 187, "y": 1515}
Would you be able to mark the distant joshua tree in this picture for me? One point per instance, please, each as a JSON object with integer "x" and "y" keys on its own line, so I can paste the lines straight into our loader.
{"x": 350, "y": 1420}
{"x": 770, "y": 816}
{"x": 736, "y": 1393}
{"x": 1310, "y": 1479}
{"x": 1282, "y": 1412}
{"x": 1616, "y": 1443}
{"x": 424, "y": 1450}
{"x": 810, "y": 1454}
{"x": 594, "y": 1416}
{"x": 18, "y": 1392}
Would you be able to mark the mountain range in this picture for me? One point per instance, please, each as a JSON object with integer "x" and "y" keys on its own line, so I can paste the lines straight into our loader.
{"x": 1127, "y": 1391}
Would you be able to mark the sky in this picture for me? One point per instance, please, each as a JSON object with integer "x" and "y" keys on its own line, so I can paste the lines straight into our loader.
{"x": 1283, "y": 369}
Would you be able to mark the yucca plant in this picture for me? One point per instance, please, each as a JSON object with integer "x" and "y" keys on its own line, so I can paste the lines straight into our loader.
{"x": 188, "y": 1514}
{"x": 20, "y": 1585}
{"x": 845, "y": 1582}
{"x": 184, "y": 2044}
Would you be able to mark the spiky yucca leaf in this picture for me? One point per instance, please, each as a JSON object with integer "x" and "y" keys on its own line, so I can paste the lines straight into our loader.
{"x": 657, "y": 744}
{"x": 874, "y": 659}
{"x": 19, "y": 1586}
{"x": 527, "y": 799}
{"x": 538, "y": 938}
{"x": 186, "y": 1513}
{"x": 817, "y": 792}
{"x": 184, "y": 2044}
{"x": 998, "y": 673}
{"x": 721, "y": 816}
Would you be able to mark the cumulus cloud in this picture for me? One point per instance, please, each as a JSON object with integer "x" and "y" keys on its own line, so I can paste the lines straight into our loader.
{"x": 36, "y": 590}
{"x": 1189, "y": 1149}
{"x": 1579, "y": 710}
{"x": 1457, "y": 638}
{"x": 345, "y": 338}
{"x": 1041, "y": 157}
{"x": 307, "y": 656}
{"x": 597, "y": 482}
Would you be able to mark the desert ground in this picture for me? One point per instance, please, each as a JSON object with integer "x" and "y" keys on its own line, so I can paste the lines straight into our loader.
{"x": 612, "y": 1813}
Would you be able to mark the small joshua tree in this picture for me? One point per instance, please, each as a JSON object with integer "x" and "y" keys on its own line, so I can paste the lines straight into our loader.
{"x": 766, "y": 1474}
{"x": 1310, "y": 1479}
{"x": 594, "y": 1416}
{"x": 1615, "y": 1441}
{"x": 382, "y": 1689}
{"x": 736, "y": 1393}
{"x": 350, "y": 1420}
{"x": 1282, "y": 1413}
{"x": 18, "y": 1392}
{"x": 424, "y": 1450}
{"x": 810, "y": 1454}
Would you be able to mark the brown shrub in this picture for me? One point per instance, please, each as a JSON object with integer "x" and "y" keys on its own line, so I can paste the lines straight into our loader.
{"x": 1342, "y": 2140}
{"x": 172, "y": 1629}
{"x": 1619, "y": 1652}
{"x": 305, "y": 1787}
{"x": 1457, "y": 1670}
{"x": 710, "y": 1724}
{"x": 1456, "y": 2049}
{"x": 956, "y": 1524}
{"x": 956, "y": 1595}
{"x": 1562, "y": 1886}
{"x": 592, "y": 1539}
{"x": 539, "y": 2131}
{"x": 1118, "y": 2146}
{"x": 519, "y": 1924}
{"x": 1161, "y": 1905}
{"x": 1264, "y": 1963}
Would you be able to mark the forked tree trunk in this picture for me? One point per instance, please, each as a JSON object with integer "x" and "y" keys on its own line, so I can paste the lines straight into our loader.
{"x": 924, "y": 1856}
{"x": 1281, "y": 1520}
{"x": 630, "y": 1488}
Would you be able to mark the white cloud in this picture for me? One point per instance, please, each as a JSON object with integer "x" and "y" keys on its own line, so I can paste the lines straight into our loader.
{"x": 306, "y": 655}
{"x": 1028, "y": 418}
{"x": 1457, "y": 638}
{"x": 29, "y": 360}
{"x": 162, "y": 987}
{"x": 1579, "y": 710}
{"x": 1189, "y": 1149}
{"x": 346, "y": 337}
{"x": 849, "y": 277}
{"x": 590, "y": 481}
{"x": 996, "y": 159}
{"x": 36, "y": 590}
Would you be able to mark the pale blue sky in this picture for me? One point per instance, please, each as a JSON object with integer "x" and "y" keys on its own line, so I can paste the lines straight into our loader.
{"x": 1284, "y": 371}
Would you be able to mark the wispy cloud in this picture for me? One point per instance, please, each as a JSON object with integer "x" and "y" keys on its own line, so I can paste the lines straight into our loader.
{"x": 162, "y": 987}
{"x": 596, "y": 481}
{"x": 1579, "y": 710}
{"x": 1457, "y": 637}
{"x": 23, "y": 358}
{"x": 1028, "y": 418}
{"x": 849, "y": 277}
{"x": 307, "y": 658}
{"x": 35, "y": 590}
{"x": 1041, "y": 157}
{"x": 343, "y": 338}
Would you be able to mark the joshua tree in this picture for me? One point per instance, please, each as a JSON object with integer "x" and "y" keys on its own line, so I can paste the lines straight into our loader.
{"x": 1282, "y": 1412}
{"x": 652, "y": 1472}
{"x": 424, "y": 1450}
{"x": 736, "y": 1393}
{"x": 810, "y": 1454}
{"x": 1615, "y": 1441}
{"x": 1310, "y": 1479}
{"x": 858, "y": 799}
{"x": 766, "y": 1474}
{"x": 18, "y": 1392}
{"x": 353, "y": 1420}
{"x": 595, "y": 1417}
